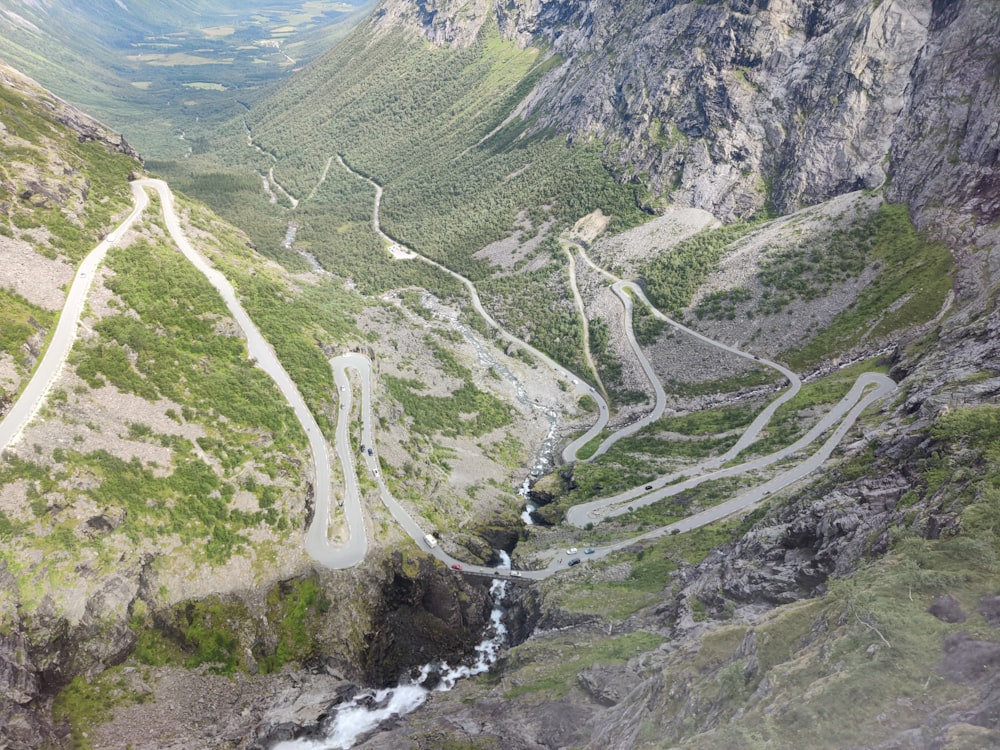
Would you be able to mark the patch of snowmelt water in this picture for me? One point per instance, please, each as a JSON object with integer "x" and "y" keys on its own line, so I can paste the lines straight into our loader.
{"x": 370, "y": 708}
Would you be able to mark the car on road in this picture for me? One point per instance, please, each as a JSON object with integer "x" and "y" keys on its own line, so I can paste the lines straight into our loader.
{"x": 371, "y": 452}
{"x": 571, "y": 551}
{"x": 456, "y": 566}
{"x": 516, "y": 573}
{"x": 649, "y": 486}
{"x": 362, "y": 447}
{"x": 589, "y": 551}
{"x": 574, "y": 561}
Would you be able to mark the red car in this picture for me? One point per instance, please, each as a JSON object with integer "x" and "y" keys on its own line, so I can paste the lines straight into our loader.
{"x": 456, "y": 566}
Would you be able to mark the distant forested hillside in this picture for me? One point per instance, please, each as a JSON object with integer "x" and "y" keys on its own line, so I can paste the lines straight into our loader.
{"x": 163, "y": 71}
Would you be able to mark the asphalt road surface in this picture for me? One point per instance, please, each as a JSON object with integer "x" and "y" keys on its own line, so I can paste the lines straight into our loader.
{"x": 869, "y": 388}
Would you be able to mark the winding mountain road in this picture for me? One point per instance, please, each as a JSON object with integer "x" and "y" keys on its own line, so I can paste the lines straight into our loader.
{"x": 318, "y": 543}
{"x": 402, "y": 252}
{"x": 578, "y": 301}
{"x": 869, "y": 388}
{"x": 33, "y": 394}
{"x": 32, "y": 397}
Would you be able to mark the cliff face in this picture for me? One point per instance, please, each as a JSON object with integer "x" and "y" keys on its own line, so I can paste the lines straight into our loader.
{"x": 733, "y": 106}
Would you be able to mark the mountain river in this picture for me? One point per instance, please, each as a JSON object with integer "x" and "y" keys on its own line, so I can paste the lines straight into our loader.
{"x": 355, "y": 719}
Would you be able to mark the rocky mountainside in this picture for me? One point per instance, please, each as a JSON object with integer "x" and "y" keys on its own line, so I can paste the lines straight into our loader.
{"x": 857, "y": 609}
{"x": 735, "y": 105}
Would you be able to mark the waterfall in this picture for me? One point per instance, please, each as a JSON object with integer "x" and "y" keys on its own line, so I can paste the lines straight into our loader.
{"x": 352, "y": 720}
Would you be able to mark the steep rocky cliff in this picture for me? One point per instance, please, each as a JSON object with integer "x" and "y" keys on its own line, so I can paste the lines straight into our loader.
{"x": 738, "y": 105}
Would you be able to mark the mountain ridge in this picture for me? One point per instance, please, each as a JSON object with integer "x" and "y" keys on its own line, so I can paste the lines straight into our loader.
{"x": 750, "y": 120}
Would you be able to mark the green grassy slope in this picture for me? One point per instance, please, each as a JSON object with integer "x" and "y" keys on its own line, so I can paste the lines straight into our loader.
{"x": 429, "y": 125}
{"x": 160, "y": 70}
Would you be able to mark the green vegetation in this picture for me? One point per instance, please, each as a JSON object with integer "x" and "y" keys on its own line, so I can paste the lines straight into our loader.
{"x": 869, "y": 648}
{"x": 425, "y": 125}
{"x": 297, "y": 609}
{"x": 795, "y": 417}
{"x": 19, "y": 321}
{"x": 530, "y": 312}
{"x": 706, "y": 421}
{"x": 208, "y": 632}
{"x": 721, "y": 303}
{"x": 300, "y": 323}
{"x": 86, "y": 703}
{"x": 467, "y": 411}
{"x": 198, "y": 632}
{"x": 178, "y": 315}
{"x": 608, "y": 365}
{"x": 169, "y": 345}
{"x": 551, "y": 666}
{"x": 914, "y": 277}
{"x": 649, "y": 573}
{"x": 672, "y": 277}
{"x": 638, "y": 459}
{"x": 704, "y": 495}
{"x": 749, "y": 379}
{"x": 646, "y": 327}
{"x": 75, "y": 204}
{"x": 811, "y": 268}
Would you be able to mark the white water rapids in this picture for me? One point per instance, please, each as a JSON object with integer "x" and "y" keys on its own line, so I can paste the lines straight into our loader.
{"x": 370, "y": 708}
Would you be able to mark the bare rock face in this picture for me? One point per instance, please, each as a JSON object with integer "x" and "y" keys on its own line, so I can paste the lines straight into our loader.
{"x": 734, "y": 106}
{"x": 948, "y": 609}
{"x": 19, "y": 695}
{"x": 442, "y": 22}
{"x": 968, "y": 660}
{"x": 945, "y": 149}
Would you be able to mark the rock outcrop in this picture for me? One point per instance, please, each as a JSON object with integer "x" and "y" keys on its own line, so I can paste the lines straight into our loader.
{"x": 737, "y": 106}
{"x": 85, "y": 126}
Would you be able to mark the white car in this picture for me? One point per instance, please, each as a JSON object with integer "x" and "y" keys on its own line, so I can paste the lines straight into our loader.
{"x": 571, "y": 551}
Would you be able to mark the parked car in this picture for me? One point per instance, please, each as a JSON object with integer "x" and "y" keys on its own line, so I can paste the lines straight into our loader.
{"x": 571, "y": 551}
{"x": 574, "y": 561}
{"x": 456, "y": 566}
{"x": 589, "y": 551}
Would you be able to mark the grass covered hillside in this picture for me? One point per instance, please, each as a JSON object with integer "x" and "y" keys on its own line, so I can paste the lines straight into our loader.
{"x": 432, "y": 127}
{"x": 165, "y": 73}
{"x": 63, "y": 185}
